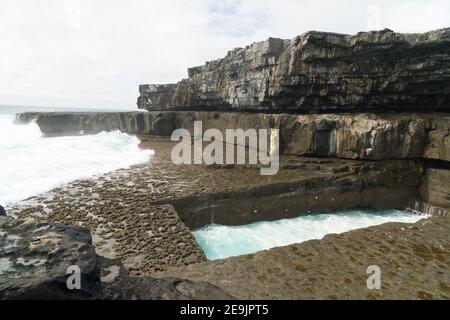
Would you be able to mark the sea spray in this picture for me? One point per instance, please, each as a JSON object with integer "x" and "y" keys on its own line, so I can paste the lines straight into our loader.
{"x": 31, "y": 164}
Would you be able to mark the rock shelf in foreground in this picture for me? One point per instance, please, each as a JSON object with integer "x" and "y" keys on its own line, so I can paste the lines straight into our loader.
{"x": 34, "y": 259}
{"x": 379, "y": 137}
{"x": 414, "y": 261}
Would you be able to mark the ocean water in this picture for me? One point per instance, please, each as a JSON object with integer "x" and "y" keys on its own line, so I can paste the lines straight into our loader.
{"x": 31, "y": 164}
{"x": 219, "y": 242}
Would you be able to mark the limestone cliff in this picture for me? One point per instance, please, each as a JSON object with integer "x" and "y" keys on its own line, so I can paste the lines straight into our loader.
{"x": 318, "y": 72}
{"x": 368, "y": 136}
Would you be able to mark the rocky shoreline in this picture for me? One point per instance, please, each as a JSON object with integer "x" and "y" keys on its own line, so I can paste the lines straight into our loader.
{"x": 35, "y": 259}
{"x": 150, "y": 247}
{"x": 142, "y": 216}
{"x": 363, "y": 123}
{"x": 414, "y": 259}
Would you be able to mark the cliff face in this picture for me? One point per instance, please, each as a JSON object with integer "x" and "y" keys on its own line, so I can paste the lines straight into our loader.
{"x": 366, "y": 136}
{"x": 360, "y": 136}
{"x": 318, "y": 72}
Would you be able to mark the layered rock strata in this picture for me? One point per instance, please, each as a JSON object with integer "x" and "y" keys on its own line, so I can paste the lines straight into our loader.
{"x": 318, "y": 72}
{"x": 350, "y": 136}
{"x": 119, "y": 223}
{"x": 434, "y": 192}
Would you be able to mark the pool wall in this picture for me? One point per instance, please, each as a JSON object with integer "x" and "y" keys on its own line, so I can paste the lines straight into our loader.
{"x": 370, "y": 185}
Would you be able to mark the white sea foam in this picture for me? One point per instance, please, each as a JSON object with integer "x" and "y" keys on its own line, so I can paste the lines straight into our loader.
{"x": 31, "y": 164}
{"x": 220, "y": 242}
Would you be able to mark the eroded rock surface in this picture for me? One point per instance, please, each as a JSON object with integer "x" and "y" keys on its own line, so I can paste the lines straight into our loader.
{"x": 438, "y": 139}
{"x": 414, "y": 261}
{"x": 142, "y": 214}
{"x": 318, "y": 71}
{"x": 116, "y": 284}
{"x": 34, "y": 260}
{"x": 130, "y": 213}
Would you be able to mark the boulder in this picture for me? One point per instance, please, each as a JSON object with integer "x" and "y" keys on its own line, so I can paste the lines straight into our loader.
{"x": 2, "y": 211}
{"x": 36, "y": 261}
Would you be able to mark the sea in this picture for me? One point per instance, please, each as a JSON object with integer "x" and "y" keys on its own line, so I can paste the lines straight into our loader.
{"x": 31, "y": 164}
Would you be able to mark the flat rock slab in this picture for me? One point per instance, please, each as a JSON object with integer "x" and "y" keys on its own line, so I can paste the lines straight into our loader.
{"x": 143, "y": 214}
{"x": 414, "y": 261}
{"x": 34, "y": 260}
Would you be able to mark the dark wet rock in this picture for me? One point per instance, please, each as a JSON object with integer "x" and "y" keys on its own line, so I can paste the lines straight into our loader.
{"x": 316, "y": 72}
{"x": 2, "y": 211}
{"x": 427, "y": 208}
{"x": 34, "y": 262}
{"x": 34, "y": 259}
{"x": 74, "y": 123}
{"x": 297, "y": 190}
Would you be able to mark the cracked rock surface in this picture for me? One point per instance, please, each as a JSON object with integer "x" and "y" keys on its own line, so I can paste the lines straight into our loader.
{"x": 143, "y": 215}
{"x": 414, "y": 260}
{"x": 35, "y": 257}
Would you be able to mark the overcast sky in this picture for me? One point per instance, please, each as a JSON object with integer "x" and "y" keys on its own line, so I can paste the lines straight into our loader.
{"x": 95, "y": 53}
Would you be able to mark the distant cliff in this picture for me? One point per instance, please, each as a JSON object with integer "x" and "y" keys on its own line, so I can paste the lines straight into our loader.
{"x": 318, "y": 72}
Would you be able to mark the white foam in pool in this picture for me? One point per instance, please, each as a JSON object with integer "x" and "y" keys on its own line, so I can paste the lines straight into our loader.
{"x": 220, "y": 242}
{"x": 31, "y": 164}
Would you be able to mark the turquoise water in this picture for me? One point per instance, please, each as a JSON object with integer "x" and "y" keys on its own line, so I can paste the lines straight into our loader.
{"x": 218, "y": 241}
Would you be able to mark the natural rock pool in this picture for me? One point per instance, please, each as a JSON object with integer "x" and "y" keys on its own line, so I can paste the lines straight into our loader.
{"x": 218, "y": 241}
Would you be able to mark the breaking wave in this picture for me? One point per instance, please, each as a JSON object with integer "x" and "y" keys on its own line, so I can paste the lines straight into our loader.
{"x": 31, "y": 164}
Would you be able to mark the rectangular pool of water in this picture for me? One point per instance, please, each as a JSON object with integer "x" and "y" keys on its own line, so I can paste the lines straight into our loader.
{"x": 218, "y": 241}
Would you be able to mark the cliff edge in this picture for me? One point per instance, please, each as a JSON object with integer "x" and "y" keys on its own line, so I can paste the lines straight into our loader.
{"x": 318, "y": 72}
